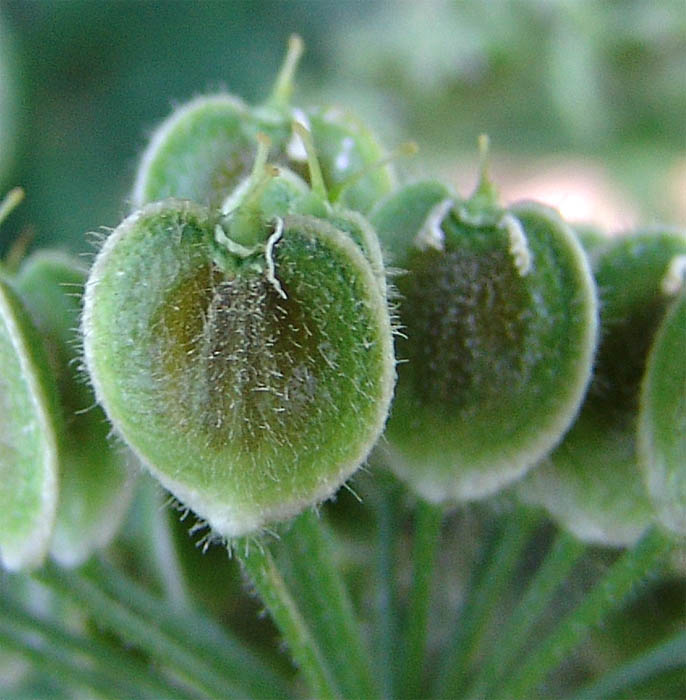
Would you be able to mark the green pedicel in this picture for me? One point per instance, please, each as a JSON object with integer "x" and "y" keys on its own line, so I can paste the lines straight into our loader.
{"x": 499, "y": 312}
{"x": 205, "y": 148}
{"x": 28, "y": 449}
{"x": 95, "y": 483}
{"x": 249, "y": 365}
{"x": 592, "y": 483}
{"x": 662, "y": 415}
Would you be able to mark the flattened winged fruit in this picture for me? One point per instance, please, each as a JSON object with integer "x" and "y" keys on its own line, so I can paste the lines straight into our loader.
{"x": 592, "y": 482}
{"x": 95, "y": 483}
{"x": 246, "y": 357}
{"x": 29, "y": 421}
{"x": 499, "y": 312}
{"x": 662, "y": 416}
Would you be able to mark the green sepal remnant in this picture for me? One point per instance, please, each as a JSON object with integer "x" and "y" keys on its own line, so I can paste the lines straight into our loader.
{"x": 29, "y": 421}
{"x": 662, "y": 419}
{"x": 250, "y": 389}
{"x": 499, "y": 318}
{"x": 205, "y": 148}
{"x": 95, "y": 481}
{"x": 592, "y": 482}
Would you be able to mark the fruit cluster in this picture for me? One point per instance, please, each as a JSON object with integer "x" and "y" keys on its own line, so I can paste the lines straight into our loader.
{"x": 237, "y": 330}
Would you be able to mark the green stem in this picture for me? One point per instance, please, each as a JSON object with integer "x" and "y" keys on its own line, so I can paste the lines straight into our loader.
{"x": 227, "y": 655}
{"x": 428, "y": 522}
{"x": 481, "y": 602}
{"x": 662, "y": 657}
{"x": 283, "y": 87}
{"x": 261, "y": 569}
{"x": 386, "y": 507}
{"x": 316, "y": 178}
{"x": 167, "y": 560}
{"x": 306, "y": 560}
{"x": 145, "y": 634}
{"x": 562, "y": 556}
{"x": 113, "y": 668}
{"x": 615, "y": 587}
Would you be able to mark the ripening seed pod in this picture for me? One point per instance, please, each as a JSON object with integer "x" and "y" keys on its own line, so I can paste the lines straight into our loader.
{"x": 95, "y": 479}
{"x": 30, "y": 417}
{"x": 592, "y": 482}
{"x": 498, "y": 314}
{"x": 29, "y": 448}
{"x": 244, "y": 354}
{"x": 661, "y": 442}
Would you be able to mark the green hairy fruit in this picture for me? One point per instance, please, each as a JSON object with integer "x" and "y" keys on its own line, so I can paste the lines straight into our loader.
{"x": 205, "y": 148}
{"x": 498, "y": 310}
{"x": 592, "y": 483}
{"x": 95, "y": 481}
{"x": 28, "y": 447}
{"x": 661, "y": 443}
{"x": 245, "y": 355}
{"x": 30, "y": 428}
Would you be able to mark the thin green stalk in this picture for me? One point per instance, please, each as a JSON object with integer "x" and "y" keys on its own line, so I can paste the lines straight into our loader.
{"x": 264, "y": 575}
{"x": 620, "y": 581}
{"x": 563, "y": 554}
{"x": 483, "y": 555}
{"x": 428, "y": 520}
{"x": 142, "y": 633}
{"x": 665, "y": 656}
{"x": 163, "y": 553}
{"x": 226, "y": 654}
{"x": 113, "y": 668}
{"x": 478, "y": 607}
{"x": 307, "y": 562}
{"x": 386, "y": 607}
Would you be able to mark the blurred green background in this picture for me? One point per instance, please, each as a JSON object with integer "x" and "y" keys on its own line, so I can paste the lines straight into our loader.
{"x": 586, "y": 94}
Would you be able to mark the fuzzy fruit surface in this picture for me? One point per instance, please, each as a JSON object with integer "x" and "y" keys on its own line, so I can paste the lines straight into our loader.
{"x": 95, "y": 485}
{"x": 202, "y": 151}
{"x": 206, "y": 148}
{"x": 29, "y": 423}
{"x": 592, "y": 482}
{"x": 251, "y": 387}
{"x": 662, "y": 419}
{"x": 495, "y": 361}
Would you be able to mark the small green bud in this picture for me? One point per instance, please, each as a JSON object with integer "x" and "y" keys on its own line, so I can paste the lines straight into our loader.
{"x": 592, "y": 482}
{"x": 200, "y": 152}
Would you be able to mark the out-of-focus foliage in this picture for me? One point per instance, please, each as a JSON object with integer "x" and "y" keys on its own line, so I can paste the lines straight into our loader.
{"x": 8, "y": 100}
{"x": 604, "y": 78}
